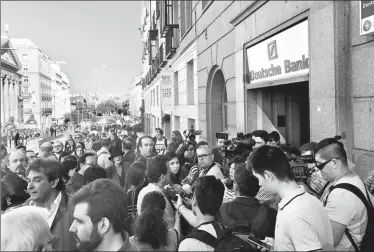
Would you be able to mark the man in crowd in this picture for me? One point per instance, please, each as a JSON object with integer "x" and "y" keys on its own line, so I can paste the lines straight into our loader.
{"x": 46, "y": 189}
{"x": 345, "y": 210}
{"x": 103, "y": 154}
{"x": 94, "y": 173}
{"x": 58, "y": 148}
{"x": 245, "y": 208}
{"x": 30, "y": 156}
{"x": 26, "y": 229}
{"x": 161, "y": 143}
{"x": 274, "y": 138}
{"x": 22, "y": 149}
{"x": 207, "y": 200}
{"x": 78, "y": 138}
{"x": 145, "y": 147}
{"x": 13, "y": 182}
{"x": 205, "y": 158}
{"x": 76, "y": 182}
{"x": 45, "y": 151}
{"x": 309, "y": 228}
{"x": 99, "y": 213}
{"x": 158, "y": 175}
{"x": 128, "y": 153}
{"x": 261, "y": 137}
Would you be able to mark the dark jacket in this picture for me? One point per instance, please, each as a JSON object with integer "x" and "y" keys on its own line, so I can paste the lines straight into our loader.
{"x": 129, "y": 157}
{"x": 13, "y": 190}
{"x": 243, "y": 211}
{"x": 111, "y": 173}
{"x": 116, "y": 143}
{"x": 143, "y": 160}
{"x": 61, "y": 224}
{"x": 75, "y": 183}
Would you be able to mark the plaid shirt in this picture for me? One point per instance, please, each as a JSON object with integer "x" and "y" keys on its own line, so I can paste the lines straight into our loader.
{"x": 268, "y": 199}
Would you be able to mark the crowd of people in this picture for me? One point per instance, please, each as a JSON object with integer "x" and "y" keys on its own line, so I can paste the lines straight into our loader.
{"x": 129, "y": 193}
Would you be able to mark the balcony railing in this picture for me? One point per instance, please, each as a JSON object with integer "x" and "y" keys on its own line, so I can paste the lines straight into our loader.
{"x": 167, "y": 16}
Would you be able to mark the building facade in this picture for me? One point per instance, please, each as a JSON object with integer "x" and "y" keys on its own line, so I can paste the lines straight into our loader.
{"x": 298, "y": 67}
{"x": 170, "y": 87}
{"x": 11, "y": 84}
{"x": 60, "y": 92}
{"x": 135, "y": 96}
{"x": 37, "y": 79}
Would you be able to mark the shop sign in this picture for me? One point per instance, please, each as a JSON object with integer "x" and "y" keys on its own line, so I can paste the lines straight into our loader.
{"x": 366, "y": 17}
{"x": 284, "y": 55}
{"x": 166, "y": 90}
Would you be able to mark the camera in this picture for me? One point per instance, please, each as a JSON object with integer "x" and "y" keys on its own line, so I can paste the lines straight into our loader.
{"x": 242, "y": 145}
{"x": 191, "y": 133}
{"x": 299, "y": 166}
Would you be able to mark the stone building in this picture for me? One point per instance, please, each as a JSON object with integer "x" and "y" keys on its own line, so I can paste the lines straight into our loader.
{"x": 298, "y": 67}
{"x": 11, "y": 81}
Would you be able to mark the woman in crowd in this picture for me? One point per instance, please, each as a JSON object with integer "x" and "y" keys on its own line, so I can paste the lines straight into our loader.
{"x": 134, "y": 180}
{"x": 177, "y": 173}
{"x": 69, "y": 165}
{"x": 79, "y": 150}
{"x": 176, "y": 141}
{"x": 188, "y": 160}
{"x": 70, "y": 146}
{"x": 117, "y": 171}
{"x": 151, "y": 231}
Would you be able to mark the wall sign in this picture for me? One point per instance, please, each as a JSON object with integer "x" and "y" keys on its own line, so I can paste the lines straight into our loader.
{"x": 366, "y": 17}
{"x": 166, "y": 90}
{"x": 284, "y": 55}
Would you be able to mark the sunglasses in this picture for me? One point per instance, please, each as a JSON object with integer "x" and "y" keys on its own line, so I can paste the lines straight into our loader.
{"x": 321, "y": 166}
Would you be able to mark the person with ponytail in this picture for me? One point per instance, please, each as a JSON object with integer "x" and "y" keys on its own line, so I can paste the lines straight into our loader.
{"x": 151, "y": 229}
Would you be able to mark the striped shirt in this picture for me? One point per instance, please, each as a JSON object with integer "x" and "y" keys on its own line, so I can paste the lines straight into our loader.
{"x": 192, "y": 175}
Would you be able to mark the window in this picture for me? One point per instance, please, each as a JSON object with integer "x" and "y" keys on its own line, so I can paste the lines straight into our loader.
{"x": 25, "y": 79}
{"x": 24, "y": 57}
{"x": 190, "y": 83}
{"x": 176, "y": 91}
{"x": 177, "y": 123}
{"x": 25, "y": 68}
{"x": 157, "y": 96}
{"x": 186, "y": 16}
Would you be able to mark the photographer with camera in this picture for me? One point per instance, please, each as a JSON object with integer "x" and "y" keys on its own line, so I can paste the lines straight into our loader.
{"x": 302, "y": 223}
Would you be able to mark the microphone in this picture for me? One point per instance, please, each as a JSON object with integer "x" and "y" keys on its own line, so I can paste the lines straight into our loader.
{"x": 178, "y": 189}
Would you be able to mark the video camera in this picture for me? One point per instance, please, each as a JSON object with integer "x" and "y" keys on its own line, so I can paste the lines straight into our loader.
{"x": 242, "y": 145}
{"x": 172, "y": 191}
{"x": 299, "y": 166}
{"x": 191, "y": 133}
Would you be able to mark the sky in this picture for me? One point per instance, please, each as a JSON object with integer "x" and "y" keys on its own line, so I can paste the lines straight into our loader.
{"x": 87, "y": 35}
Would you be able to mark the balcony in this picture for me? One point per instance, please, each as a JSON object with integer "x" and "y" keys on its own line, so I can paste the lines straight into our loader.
{"x": 171, "y": 43}
{"x": 46, "y": 111}
{"x": 166, "y": 9}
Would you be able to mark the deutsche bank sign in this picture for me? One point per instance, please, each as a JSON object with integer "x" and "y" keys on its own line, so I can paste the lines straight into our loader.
{"x": 281, "y": 56}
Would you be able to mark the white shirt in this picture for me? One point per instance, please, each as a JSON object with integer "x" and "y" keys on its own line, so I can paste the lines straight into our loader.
{"x": 302, "y": 224}
{"x": 160, "y": 146}
{"x": 52, "y": 211}
{"x": 346, "y": 208}
{"x": 215, "y": 171}
{"x": 191, "y": 244}
{"x": 169, "y": 211}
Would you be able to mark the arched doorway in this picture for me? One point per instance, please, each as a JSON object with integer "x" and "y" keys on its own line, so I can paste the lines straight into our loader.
{"x": 216, "y": 105}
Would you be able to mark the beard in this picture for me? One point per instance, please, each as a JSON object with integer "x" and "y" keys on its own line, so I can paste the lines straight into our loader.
{"x": 90, "y": 245}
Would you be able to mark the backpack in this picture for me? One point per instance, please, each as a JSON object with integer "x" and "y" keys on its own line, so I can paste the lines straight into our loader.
{"x": 367, "y": 243}
{"x": 227, "y": 239}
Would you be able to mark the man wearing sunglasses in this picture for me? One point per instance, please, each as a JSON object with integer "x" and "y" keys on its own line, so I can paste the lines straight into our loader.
{"x": 345, "y": 210}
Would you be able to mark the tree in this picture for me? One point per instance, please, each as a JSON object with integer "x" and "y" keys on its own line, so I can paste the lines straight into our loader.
{"x": 109, "y": 106}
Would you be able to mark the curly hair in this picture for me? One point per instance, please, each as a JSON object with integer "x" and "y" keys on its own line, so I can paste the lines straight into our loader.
{"x": 150, "y": 226}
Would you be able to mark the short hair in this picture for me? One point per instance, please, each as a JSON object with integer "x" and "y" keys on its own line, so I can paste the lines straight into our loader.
{"x": 262, "y": 134}
{"x": 237, "y": 160}
{"x": 209, "y": 193}
{"x": 273, "y": 159}
{"x": 106, "y": 142}
{"x": 159, "y": 130}
{"x": 127, "y": 144}
{"x": 274, "y": 136}
{"x": 94, "y": 173}
{"x": 82, "y": 159}
{"x": 51, "y": 168}
{"x": 140, "y": 143}
{"x": 330, "y": 148}
{"x": 248, "y": 184}
{"x": 24, "y": 228}
{"x": 201, "y": 143}
{"x": 105, "y": 199}
{"x": 21, "y": 147}
{"x": 46, "y": 147}
{"x": 308, "y": 147}
{"x": 68, "y": 165}
{"x": 156, "y": 167}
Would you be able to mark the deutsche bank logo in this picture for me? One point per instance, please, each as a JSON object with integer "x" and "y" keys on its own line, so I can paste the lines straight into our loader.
{"x": 272, "y": 50}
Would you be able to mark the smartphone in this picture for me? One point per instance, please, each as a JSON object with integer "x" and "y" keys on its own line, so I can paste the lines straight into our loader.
{"x": 258, "y": 243}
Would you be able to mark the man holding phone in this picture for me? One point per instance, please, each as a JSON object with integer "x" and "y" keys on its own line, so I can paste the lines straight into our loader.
{"x": 302, "y": 222}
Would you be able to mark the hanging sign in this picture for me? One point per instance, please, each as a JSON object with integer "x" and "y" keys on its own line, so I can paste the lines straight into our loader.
{"x": 366, "y": 17}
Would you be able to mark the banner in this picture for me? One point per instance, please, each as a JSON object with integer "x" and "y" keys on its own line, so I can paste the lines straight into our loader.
{"x": 366, "y": 17}
{"x": 166, "y": 90}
